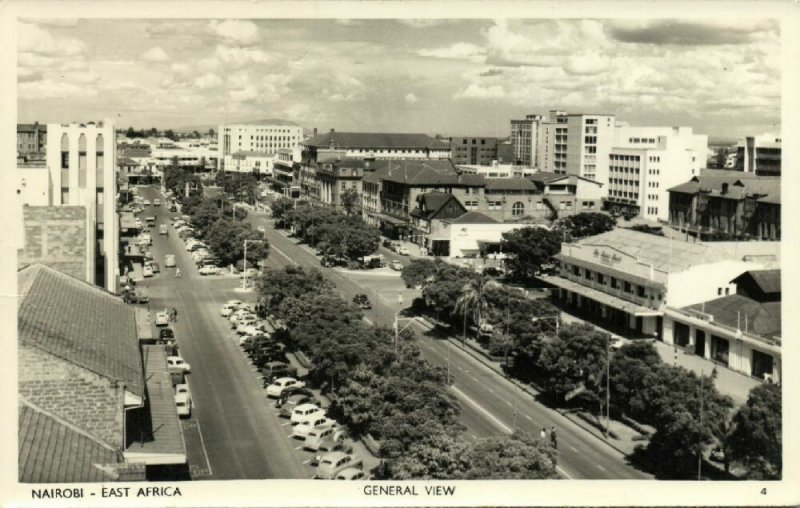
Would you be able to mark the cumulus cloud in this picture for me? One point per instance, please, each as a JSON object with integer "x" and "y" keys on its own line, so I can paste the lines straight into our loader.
{"x": 248, "y": 94}
{"x": 236, "y": 31}
{"x": 50, "y": 89}
{"x": 586, "y": 65}
{"x": 491, "y": 72}
{"x": 207, "y": 81}
{"x": 423, "y": 22}
{"x": 476, "y": 91}
{"x": 411, "y": 98}
{"x": 156, "y": 54}
{"x": 458, "y": 51}
{"x": 37, "y": 40}
{"x": 689, "y": 32}
{"x": 237, "y": 57}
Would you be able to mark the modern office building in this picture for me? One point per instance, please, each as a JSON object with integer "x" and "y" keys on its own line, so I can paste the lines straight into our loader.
{"x": 479, "y": 151}
{"x": 589, "y": 141}
{"x": 760, "y": 155}
{"x": 258, "y": 163}
{"x": 645, "y": 162}
{"x": 525, "y": 136}
{"x": 722, "y": 204}
{"x": 266, "y": 136}
{"x": 79, "y": 171}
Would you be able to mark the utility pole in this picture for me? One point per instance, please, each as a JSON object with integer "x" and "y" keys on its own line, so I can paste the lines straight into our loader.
{"x": 608, "y": 383}
{"x": 700, "y": 449}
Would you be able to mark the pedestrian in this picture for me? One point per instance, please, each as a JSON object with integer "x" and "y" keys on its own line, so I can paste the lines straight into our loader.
{"x": 177, "y": 273}
{"x": 175, "y": 314}
{"x": 553, "y": 438}
{"x": 543, "y": 434}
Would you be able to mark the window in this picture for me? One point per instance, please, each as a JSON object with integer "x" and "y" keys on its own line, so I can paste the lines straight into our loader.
{"x": 576, "y": 271}
{"x": 719, "y": 291}
{"x": 614, "y": 283}
{"x": 517, "y": 209}
{"x": 64, "y": 160}
{"x": 64, "y": 195}
{"x": 640, "y": 291}
{"x": 628, "y": 287}
{"x": 587, "y": 274}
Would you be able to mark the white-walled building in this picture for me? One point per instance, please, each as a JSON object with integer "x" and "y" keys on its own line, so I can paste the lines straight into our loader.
{"x": 760, "y": 155}
{"x": 627, "y": 279}
{"x": 250, "y": 162}
{"x": 647, "y": 161}
{"x": 525, "y": 136}
{"x": 474, "y": 232}
{"x": 497, "y": 170}
{"x": 79, "y": 171}
{"x": 589, "y": 139}
{"x": 268, "y": 136}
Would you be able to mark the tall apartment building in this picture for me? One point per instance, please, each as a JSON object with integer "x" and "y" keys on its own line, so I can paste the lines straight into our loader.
{"x": 476, "y": 151}
{"x": 645, "y": 162}
{"x": 79, "y": 171}
{"x": 589, "y": 140}
{"x": 525, "y": 140}
{"x": 268, "y": 137}
{"x": 760, "y": 155}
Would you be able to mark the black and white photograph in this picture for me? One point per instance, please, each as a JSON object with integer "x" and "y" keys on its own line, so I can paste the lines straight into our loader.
{"x": 397, "y": 247}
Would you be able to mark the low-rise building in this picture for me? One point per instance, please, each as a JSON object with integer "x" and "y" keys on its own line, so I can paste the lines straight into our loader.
{"x": 741, "y": 330}
{"x": 475, "y": 235}
{"x": 434, "y": 209}
{"x": 339, "y": 179}
{"x": 90, "y": 409}
{"x": 727, "y": 204}
{"x": 376, "y": 145}
{"x": 561, "y": 195}
{"x": 626, "y": 278}
{"x": 259, "y": 163}
{"x": 286, "y": 163}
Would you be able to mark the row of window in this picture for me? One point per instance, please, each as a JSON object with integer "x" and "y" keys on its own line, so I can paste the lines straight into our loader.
{"x": 474, "y": 141}
{"x": 652, "y": 197}
{"x": 272, "y": 138}
{"x": 621, "y": 169}
{"x": 654, "y": 158}
{"x": 613, "y": 282}
{"x": 652, "y": 210}
{"x": 623, "y": 194}
{"x": 621, "y": 181}
{"x": 590, "y": 140}
{"x": 641, "y": 140}
{"x": 618, "y": 157}
{"x": 653, "y": 171}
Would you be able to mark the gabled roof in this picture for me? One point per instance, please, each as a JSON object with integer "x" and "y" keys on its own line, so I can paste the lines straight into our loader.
{"x": 370, "y": 140}
{"x": 545, "y": 177}
{"x": 739, "y": 185}
{"x": 768, "y": 281}
{"x": 51, "y": 450}
{"x": 81, "y": 323}
{"x": 737, "y": 310}
{"x": 424, "y": 172}
{"x": 474, "y": 218}
{"x": 430, "y": 204}
{"x": 498, "y": 184}
{"x": 125, "y": 161}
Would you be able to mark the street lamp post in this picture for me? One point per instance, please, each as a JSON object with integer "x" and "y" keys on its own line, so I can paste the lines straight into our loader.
{"x": 244, "y": 280}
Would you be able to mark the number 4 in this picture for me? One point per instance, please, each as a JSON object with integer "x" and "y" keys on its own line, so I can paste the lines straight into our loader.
{"x": 764, "y": 491}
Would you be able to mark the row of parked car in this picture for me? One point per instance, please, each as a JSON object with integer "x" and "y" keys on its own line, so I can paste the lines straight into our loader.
{"x": 295, "y": 401}
{"x": 207, "y": 263}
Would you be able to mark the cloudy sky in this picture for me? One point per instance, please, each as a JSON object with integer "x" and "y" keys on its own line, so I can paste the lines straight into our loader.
{"x": 436, "y": 76}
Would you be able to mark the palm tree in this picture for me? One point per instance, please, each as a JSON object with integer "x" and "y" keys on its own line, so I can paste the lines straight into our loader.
{"x": 473, "y": 297}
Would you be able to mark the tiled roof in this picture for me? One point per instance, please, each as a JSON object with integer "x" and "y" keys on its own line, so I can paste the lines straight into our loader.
{"x": 677, "y": 255}
{"x": 342, "y": 162}
{"x": 737, "y": 310}
{"x": 739, "y": 185}
{"x": 544, "y": 176}
{"x": 432, "y": 203}
{"x": 769, "y": 281}
{"x": 80, "y": 323}
{"x": 125, "y": 161}
{"x": 370, "y": 140}
{"x": 509, "y": 184}
{"x": 29, "y": 127}
{"x": 52, "y": 450}
{"x": 474, "y": 218}
{"x": 424, "y": 172}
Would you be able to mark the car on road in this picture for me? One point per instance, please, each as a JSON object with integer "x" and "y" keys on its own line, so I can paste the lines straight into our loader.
{"x": 166, "y": 333}
{"x": 134, "y": 297}
{"x": 331, "y": 464}
{"x": 209, "y": 270}
{"x": 146, "y": 202}
{"x": 261, "y": 229}
{"x": 169, "y": 260}
{"x": 162, "y": 229}
{"x": 155, "y": 267}
{"x": 403, "y": 251}
{"x": 178, "y": 363}
{"x": 396, "y": 265}
{"x": 183, "y": 403}
{"x": 362, "y": 301}
{"x": 156, "y": 202}
{"x": 276, "y": 388}
{"x": 227, "y": 309}
{"x": 352, "y": 473}
{"x": 302, "y": 429}
{"x": 305, "y": 412}
{"x": 162, "y": 318}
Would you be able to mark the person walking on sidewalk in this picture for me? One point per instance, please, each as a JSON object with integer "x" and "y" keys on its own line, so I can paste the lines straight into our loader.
{"x": 553, "y": 438}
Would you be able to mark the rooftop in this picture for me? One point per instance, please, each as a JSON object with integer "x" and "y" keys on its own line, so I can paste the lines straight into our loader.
{"x": 80, "y": 323}
{"x": 675, "y": 255}
{"x": 31, "y": 127}
{"x": 370, "y": 140}
{"x": 423, "y": 172}
{"x": 748, "y": 315}
{"x": 768, "y": 281}
{"x": 521, "y": 184}
{"x": 473, "y": 217}
{"x": 739, "y": 185}
{"x": 249, "y": 153}
{"x": 429, "y": 204}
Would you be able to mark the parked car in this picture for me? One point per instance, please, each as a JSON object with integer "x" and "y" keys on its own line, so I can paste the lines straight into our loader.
{"x": 403, "y": 251}
{"x": 273, "y": 370}
{"x": 227, "y": 310}
{"x": 331, "y": 464}
{"x": 274, "y": 390}
{"x": 305, "y": 412}
{"x": 183, "y": 404}
{"x": 209, "y": 270}
{"x": 169, "y": 260}
{"x": 261, "y": 229}
{"x": 351, "y": 473}
{"x": 155, "y": 268}
{"x": 327, "y": 261}
{"x": 147, "y": 271}
{"x": 162, "y": 318}
{"x": 178, "y": 363}
{"x": 134, "y": 297}
{"x": 146, "y": 202}
{"x": 387, "y": 243}
{"x": 301, "y": 430}
{"x": 396, "y": 265}
{"x": 317, "y": 436}
{"x": 166, "y": 333}
{"x": 162, "y": 229}
{"x": 251, "y": 272}
{"x": 329, "y": 444}
{"x": 362, "y": 301}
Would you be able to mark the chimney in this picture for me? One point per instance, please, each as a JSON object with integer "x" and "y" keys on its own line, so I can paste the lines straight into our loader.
{"x": 724, "y": 188}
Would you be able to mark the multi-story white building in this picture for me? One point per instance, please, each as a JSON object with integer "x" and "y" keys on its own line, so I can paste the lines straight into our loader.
{"x": 250, "y": 162}
{"x": 497, "y": 170}
{"x": 79, "y": 171}
{"x": 525, "y": 136}
{"x": 268, "y": 136}
{"x": 760, "y": 155}
{"x": 589, "y": 140}
{"x": 645, "y": 162}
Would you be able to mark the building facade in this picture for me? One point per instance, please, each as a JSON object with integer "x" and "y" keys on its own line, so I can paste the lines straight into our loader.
{"x": 525, "y": 140}
{"x": 265, "y": 137}
{"x": 589, "y": 141}
{"x": 647, "y": 161}
{"x": 727, "y": 204}
{"x": 31, "y": 139}
{"x": 259, "y": 163}
{"x": 479, "y": 151}
{"x": 562, "y": 195}
{"x": 760, "y": 155}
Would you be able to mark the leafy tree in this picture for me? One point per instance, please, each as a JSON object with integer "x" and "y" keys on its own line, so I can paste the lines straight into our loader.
{"x": 350, "y": 199}
{"x": 514, "y": 457}
{"x": 632, "y": 379}
{"x": 206, "y": 213}
{"x": 756, "y": 440}
{"x": 586, "y": 224}
{"x": 226, "y": 238}
{"x": 420, "y": 271}
{"x": 292, "y": 281}
{"x": 528, "y": 249}
{"x": 473, "y": 298}
{"x": 441, "y": 294}
{"x": 211, "y": 133}
{"x": 280, "y": 208}
{"x": 169, "y": 133}
{"x": 439, "y": 456}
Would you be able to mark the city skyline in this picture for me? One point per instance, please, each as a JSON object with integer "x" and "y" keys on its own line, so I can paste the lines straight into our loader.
{"x": 448, "y": 76}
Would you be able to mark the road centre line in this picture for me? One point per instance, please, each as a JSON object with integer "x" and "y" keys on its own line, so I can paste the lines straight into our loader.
{"x": 203, "y": 444}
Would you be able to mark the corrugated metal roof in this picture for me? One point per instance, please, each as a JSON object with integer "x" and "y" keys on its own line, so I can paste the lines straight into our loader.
{"x": 371, "y": 140}
{"x": 80, "y": 323}
{"x": 474, "y": 218}
{"x": 769, "y": 281}
{"x": 749, "y": 315}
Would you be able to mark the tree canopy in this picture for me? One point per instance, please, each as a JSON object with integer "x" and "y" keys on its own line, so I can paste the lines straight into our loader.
{"x": 528, "y": 249}
{"x": 756, "y": 440}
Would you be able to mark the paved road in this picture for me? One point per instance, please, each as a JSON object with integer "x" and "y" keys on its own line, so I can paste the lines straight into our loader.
{"x": 490, "y": 404}
{"x": 242, "y": 436}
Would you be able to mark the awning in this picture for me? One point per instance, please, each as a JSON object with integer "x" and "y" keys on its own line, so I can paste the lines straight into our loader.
{"x": 600, "y": 297}
{"x": 159, "y": 438}
{"x": 607, "y": 270}
{"x": 391, "y": 220}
